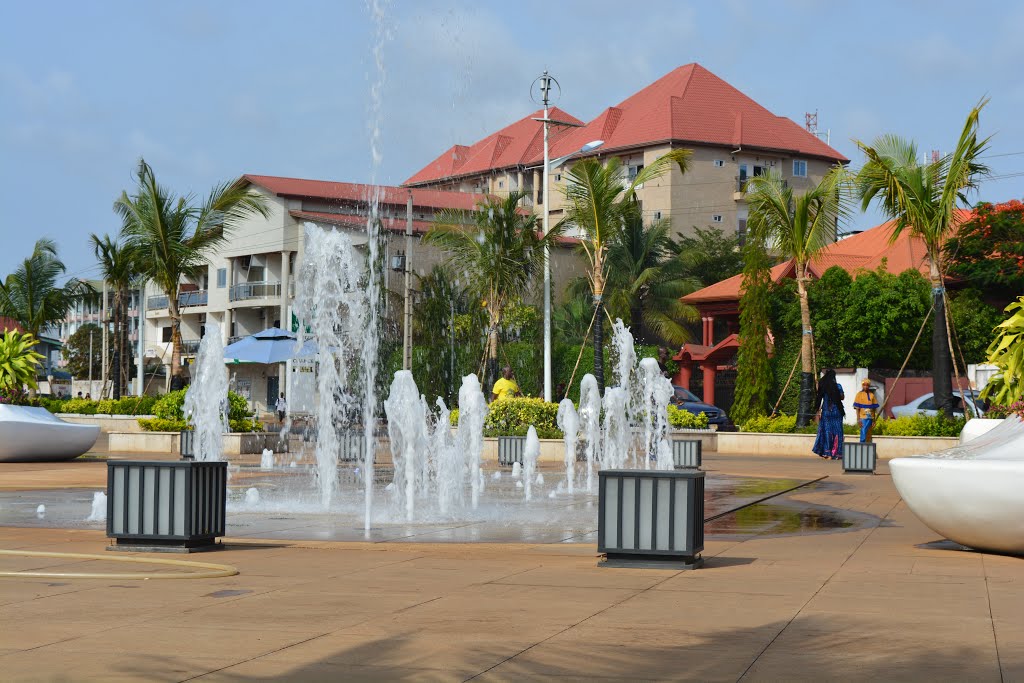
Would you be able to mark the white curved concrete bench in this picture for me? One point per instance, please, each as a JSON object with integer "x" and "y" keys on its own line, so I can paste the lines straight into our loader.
{"x": 972, "y": 494}
{"x": 29, "y": 434}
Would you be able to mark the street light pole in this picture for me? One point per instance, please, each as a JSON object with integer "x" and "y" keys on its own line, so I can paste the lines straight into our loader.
{"x": 545, "y": 89}
{"x": 407, "y": 317}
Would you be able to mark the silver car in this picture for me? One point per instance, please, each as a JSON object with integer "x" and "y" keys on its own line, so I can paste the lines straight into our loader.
{"x": 926, "y": 405}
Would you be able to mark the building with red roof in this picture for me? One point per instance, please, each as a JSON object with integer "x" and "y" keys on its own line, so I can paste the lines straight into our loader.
{"x": 718, "y": 304}
{"x": 732, "y": 137}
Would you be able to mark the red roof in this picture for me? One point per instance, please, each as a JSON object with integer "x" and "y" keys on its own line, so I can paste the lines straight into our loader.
{"x": 357, "y": 221}
{"x": 358, "y": 192}
{"x": 10, "y": 324}
{"x": 692, "y": 105}
{"x": 687, "y": 105}
{"x": 865, "y": 251}
{"x": 518, "y": 144}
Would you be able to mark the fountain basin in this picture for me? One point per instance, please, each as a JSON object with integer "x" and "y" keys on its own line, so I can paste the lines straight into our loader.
{"x": 31, "y": 434}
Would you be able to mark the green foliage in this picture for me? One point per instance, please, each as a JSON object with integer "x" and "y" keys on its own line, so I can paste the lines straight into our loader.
{"x": 988, "y": 249}
{"x": 753, "y": 379}
{"x": 76, "y": 351}
{"x": 710, "y": 255}
{"x": 883, "y": 317}
{"x": 974, "y": 325}
{"x": 1007, "y": 352}
{"x": 79, "y": 406}
{"x": 514, "y": 416}
{"x": 31, "y": 296}
{"x": 912, "y": 425}
{"x": 684, "y": 419}
{"x": 171, "y": 406}
{"x": 163, "y": 424}
{"x": 18, "y": 361}
{"x": 920, "y": 425}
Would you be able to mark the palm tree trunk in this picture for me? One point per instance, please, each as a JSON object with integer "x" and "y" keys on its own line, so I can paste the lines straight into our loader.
{"x": 942, "y": 367}
{"x": 806, "y": 405}
{"x": 175, "y": 315}
{"x": 636, "y": 321}
{"x": 116, "y": 384}
{"x": 126, "y": 356}
{"x": 491, "y": 373}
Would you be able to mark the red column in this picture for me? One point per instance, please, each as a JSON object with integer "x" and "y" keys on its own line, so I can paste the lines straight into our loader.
{"x": 683, "y": 377}
{"x": 711, "y": 331}
{"x": 709, "y": 383}
{"x": 705, "y": 336}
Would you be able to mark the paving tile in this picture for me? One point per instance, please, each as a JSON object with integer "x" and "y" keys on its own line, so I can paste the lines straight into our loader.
{"x": 59, "y": 666}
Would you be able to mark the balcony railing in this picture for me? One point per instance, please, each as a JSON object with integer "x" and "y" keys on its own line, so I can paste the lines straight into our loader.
{"x": 198, "y": 297}
{"x": 254, "y": 290}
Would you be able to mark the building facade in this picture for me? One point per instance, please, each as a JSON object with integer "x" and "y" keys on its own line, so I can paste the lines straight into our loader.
{"x": 250, "y": 284}
{"x": 732, "y": 139}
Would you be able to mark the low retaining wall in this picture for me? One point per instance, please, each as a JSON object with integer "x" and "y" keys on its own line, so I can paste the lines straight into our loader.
{"x": 106, "y": 423}
{"x": 235, "y": 443}
{"x": 753, "y": 443}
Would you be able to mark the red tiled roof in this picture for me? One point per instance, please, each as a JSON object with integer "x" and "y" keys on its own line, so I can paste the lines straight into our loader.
{"x": 10, "y": 324}
{"x": 358, "y": 192}
{"x": 359, "y": 222}
{"x": 692, "y": 105}
{"x": 865, "y": 251}
{"x": 517, "y": 144}
{"x": 355, "y": 221}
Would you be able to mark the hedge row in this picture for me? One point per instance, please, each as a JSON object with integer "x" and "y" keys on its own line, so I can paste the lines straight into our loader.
{"x": 911, "y": 425}
{"x": 128, "y": 405}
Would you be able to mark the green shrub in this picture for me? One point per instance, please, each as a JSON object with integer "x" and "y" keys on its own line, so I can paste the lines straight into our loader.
{"x": 54, "y": 405}
{"x": 80, "y": 406}
{"x": 169, "y": 410}
{"x": 684, "y": 419}
{"x": 513, "y": 417}
{"x": 920, "y": 425}
{"x": 780, "y": 424}
{"x": 160, "y": 424}
{"x": 105, "y": 406}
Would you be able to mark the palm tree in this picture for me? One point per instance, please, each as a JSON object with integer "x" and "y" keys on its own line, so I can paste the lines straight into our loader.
{"x": 799, "y": 226}
{"x": 172, "y": 237}
{"x": 924, "y": 198}
{"x": 599, "y": 205}
{"x": 31, "y": 296}
{"x": 498, "y": 247}
{"x": 120, "y": 269}
{"x": 646, "y": 281}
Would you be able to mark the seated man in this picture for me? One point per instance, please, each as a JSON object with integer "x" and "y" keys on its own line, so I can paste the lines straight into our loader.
{"x": 865, "y": 404}
{"x": 505, "y": 387}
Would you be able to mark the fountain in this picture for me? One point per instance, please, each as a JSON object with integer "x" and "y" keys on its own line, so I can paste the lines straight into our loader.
{"x": 530, "y": 452}
{"x": 569, "y": 422}
{"x": 206, "y": 401}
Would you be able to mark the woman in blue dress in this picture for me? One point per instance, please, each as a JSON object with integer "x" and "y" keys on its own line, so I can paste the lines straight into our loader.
{"x": 829, "y": 443}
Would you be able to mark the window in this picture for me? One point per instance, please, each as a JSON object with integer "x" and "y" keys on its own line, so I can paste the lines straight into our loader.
{"x": 719, "y": 163}
{"x": 741, "y": 231}
{"x": 501, "y": 184}
{"x": 927, "y": 404}
{"x": 222, "y": 278}
{"x": 799, "y": 168}
{"x": 717, "y": 218}
{"x": 558, "y": 177}
{"x": 657, "y": 215}
{"x": 165, "y": 335}
{"x": 633, "y": 171}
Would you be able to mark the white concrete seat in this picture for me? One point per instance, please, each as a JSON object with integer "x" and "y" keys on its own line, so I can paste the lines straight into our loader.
{"x": 29, "y": 434}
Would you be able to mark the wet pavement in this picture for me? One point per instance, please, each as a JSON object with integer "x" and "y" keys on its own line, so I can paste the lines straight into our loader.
{"x": 288, "y": 510}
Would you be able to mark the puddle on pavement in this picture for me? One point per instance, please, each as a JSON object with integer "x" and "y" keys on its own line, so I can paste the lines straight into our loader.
{"x": 769, "y": 519}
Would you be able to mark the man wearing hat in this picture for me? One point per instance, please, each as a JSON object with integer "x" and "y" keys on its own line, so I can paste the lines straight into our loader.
{"x": 865, "y": 404}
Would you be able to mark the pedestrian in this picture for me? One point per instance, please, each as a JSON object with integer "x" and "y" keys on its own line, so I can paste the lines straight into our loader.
{"x": 88, "y": 397}
{"x": 829, "y": 442}
{"x": 281, "y": 407}
{"x": 866, "y": 405}
{"x": 79, "y": 394}
{"x": 506, "y": 386}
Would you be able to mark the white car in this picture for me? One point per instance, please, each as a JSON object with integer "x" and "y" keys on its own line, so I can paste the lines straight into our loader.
{"x": 926, "y": 405}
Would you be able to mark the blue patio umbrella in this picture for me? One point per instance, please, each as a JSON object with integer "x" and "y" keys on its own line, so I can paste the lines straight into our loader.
{"x": 270, "y": 346}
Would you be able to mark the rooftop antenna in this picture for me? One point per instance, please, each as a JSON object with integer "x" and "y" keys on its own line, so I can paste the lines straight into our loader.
{"x": 811, "y": 124}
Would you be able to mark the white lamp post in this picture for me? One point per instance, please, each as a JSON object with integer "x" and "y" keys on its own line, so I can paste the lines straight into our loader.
{"x": 545, "y": 81}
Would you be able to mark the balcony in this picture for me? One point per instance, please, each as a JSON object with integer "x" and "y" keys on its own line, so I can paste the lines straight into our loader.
{"x": 189, "y": 347}
{"x": 185, "y": 300}
{"x": 254, "y": 290}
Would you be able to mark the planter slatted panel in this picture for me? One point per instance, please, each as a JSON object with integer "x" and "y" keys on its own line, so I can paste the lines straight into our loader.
{"x": 859, "y": 457}
{"x": 686, "y": 453}
{"x": 649, "y": 517}
{"x": 510, "y": 450}
{"x": 178, "y": 505}
{"x": 352, "y": 447}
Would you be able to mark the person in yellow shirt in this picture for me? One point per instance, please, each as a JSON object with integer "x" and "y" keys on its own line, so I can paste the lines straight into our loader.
{"x": 505, "y": 387}
{"x": 866, "y": 405}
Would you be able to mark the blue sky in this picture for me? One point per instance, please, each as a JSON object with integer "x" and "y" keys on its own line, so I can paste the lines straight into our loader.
{"x": 206, "y": 91}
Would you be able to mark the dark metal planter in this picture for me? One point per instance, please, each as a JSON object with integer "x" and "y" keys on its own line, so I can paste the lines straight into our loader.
{"x": 859, "y": 458}
{"x": 352, "y": 447}
{"x": 175, "y": 506}
{"x": 651, "y": 518}
{"x": 686, "y": 453}
{"x": 510, "y": 450}
{"x": 186, "y": 444}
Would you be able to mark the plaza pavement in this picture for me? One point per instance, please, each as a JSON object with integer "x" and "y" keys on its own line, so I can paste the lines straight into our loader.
{"x": 886, "y": 602}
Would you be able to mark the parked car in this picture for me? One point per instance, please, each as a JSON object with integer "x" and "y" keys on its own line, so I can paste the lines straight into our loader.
{"x": 926, "y": 405}
{"x": 687, "y": 400}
